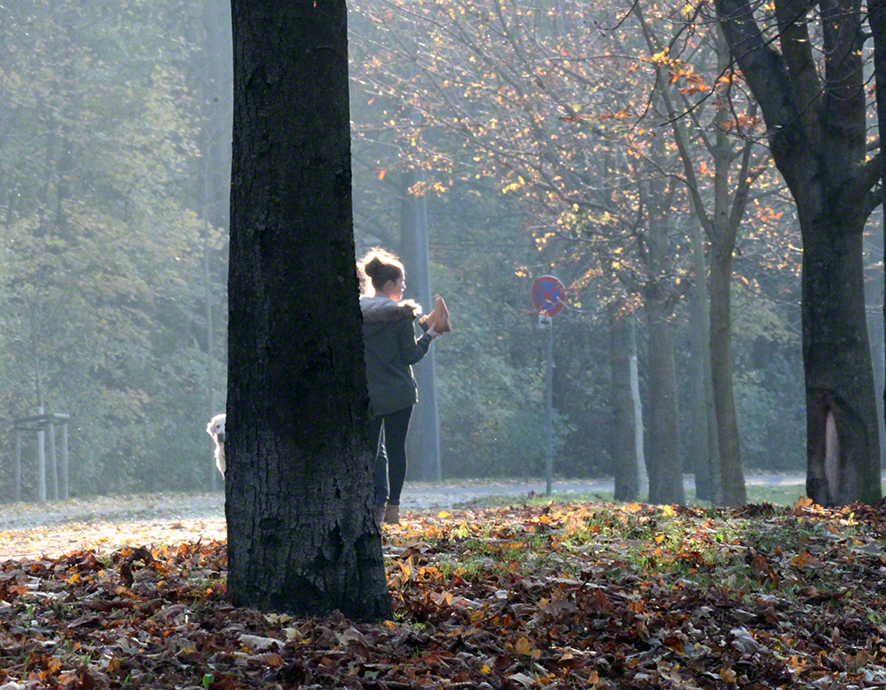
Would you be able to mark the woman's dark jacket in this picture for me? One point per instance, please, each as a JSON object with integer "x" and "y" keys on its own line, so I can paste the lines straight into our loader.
{"x": 390, "y": 350}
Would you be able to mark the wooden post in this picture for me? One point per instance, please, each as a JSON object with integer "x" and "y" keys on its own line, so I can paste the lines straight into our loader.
{"x": 40, "y": 423}
{"x": 53, "y": 465}
{"x": 41, "y": 462}
{"x": 65, "y": 460}
{"x": 17, "y": 465}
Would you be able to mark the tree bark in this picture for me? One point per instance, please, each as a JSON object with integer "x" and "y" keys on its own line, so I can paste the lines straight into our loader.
{"x": 817, "y": 136}
{"x": 299, "y": 490}
{"x": 663, "y": 456}
{"x": 721, "y": 225}
{"x": 624, "y": 460}
{"x": 841, "y": 419}
{"x": 724, "y": 229}
{"x": 707, "y": 464}
{"x": 877, "y": 22}
{"x": 732, "y": 486}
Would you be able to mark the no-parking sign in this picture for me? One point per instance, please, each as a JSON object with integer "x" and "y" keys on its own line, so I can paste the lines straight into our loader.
{"x": 548, "y": 295}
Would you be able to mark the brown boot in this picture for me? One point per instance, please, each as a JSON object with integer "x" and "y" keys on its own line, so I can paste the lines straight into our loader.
{"x": 392, "y": 514}
{"x": 380, "y": 514}
{"x": 441, "y": 314}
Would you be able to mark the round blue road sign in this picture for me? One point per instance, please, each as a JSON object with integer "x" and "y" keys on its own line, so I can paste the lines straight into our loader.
{"x": 548, "y": 295}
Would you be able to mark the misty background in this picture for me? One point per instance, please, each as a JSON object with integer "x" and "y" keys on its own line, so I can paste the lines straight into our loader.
{"x": 115, "y": 131}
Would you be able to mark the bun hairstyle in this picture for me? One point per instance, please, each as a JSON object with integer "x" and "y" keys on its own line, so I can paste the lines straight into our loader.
{"x": 380, "y": 266}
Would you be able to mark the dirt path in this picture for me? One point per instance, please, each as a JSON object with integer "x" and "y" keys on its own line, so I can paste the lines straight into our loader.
{"x": 108, "y": 523}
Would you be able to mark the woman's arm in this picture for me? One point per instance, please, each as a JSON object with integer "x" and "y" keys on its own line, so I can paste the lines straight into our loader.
{"x": 412, "y": 350}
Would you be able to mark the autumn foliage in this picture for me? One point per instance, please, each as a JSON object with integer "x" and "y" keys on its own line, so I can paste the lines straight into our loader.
{"x": 589, "y": 596}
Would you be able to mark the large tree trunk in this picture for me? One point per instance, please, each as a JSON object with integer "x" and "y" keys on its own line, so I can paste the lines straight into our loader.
{"x": 663, "y": 455}
{"x": 817, "y": 134}
{"x": 842, "y": 435}
{"x": 299, "y": 489}
{"x": 624, "y": 451}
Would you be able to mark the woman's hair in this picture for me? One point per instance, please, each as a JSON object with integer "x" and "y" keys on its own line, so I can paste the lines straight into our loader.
{"x": 380, "y": 266}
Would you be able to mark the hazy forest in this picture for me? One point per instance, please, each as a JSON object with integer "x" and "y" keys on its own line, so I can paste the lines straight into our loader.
{"x": 534, "y": 136}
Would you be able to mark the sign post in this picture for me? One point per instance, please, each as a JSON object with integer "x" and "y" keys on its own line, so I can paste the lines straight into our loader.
{"x": 548, "y": 295}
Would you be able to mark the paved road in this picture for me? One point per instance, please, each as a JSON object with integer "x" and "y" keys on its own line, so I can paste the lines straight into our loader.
{"x": 110, "y": 522}
{"x": 182, "y": 507}
{"x": 418, "y": 496}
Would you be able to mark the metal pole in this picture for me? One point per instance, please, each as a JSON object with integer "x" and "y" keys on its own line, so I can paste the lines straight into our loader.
{"x": 210, "y": 335}
{"x": 426, "y": 368}
{"x": 41, "y": 462}
{"x": 423, "y": 443}
{"x": 65, "y": 461}
{"x": 18, "y": 465}
{"x": 53, "y": 465}
{"x": 549, "y": 405}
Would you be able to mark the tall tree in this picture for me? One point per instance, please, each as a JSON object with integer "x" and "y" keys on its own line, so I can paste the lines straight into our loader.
{"x": 877, "y": 22}
{"x": 720, "y": 215}
{"x": 97, "y": 285}
{"x": 817, "y": 132}
{"x": 622, "y": 348}
{"x": 298, "y": 490}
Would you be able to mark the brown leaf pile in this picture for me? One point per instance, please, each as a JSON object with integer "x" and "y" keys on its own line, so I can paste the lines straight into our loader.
{"x": 580, "y": 596}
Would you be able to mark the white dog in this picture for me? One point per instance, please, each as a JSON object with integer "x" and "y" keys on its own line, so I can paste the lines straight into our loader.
{"x": 216, "y": 429}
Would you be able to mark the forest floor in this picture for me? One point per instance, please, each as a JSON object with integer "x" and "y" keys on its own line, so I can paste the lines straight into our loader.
{"x": 106, "y": 523}
{"x": 541, "y": 593}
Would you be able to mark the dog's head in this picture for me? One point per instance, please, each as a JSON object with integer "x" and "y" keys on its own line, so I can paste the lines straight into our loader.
{"x": 216, "y": 428}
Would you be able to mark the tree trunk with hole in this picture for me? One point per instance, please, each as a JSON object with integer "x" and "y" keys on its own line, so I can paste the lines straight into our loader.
{"x": 299, "y": 491}
{"x": 817, "y": 134}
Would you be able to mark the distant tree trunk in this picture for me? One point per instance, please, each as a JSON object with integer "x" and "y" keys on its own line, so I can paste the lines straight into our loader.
{"x": 721, "y": 225}
{"x": 663, "y": 462}
{"x": 724, "y": 229}
{"x": 707, "y": 451}
{"x": 817, "y": 134}
{"x": 732, "y": 490}
{"x": 663, "y": 455}
{"x": 624, "y": 460}
{"x": 877, "y": 22}
{"x": 299, "y": 491}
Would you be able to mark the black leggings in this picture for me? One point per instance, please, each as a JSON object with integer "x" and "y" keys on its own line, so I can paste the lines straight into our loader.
{"x": 390, "y": 465}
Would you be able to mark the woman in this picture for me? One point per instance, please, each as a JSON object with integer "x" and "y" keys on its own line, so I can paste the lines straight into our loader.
{"x": 390, "y": 349}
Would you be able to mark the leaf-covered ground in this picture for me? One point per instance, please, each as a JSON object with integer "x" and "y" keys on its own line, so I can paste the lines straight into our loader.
{"x": 557, "y": 596}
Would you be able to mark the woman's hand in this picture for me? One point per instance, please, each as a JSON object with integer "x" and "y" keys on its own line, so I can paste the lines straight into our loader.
{"x": 431, "y": 332}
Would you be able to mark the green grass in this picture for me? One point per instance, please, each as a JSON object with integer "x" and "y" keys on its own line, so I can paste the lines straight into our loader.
{"x": 757, "y": 493}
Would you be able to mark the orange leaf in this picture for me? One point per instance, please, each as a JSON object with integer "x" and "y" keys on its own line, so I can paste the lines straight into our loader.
{"x": 523, "y": 646}
{"x": 270, "y": 659}
{"x": 727, "y": 674}
{"x": 759, "y": 564}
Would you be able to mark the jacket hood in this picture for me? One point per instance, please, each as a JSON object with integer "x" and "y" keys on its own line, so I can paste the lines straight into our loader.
{"x": 381, "y": 309}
